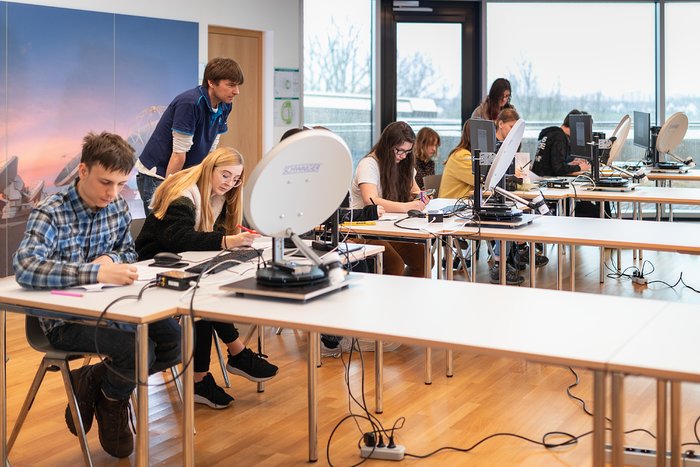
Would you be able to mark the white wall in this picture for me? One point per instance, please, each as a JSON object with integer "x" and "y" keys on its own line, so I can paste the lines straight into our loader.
{"x": 279, "y": 19}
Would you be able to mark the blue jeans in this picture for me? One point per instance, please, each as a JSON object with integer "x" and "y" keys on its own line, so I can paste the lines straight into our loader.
{"x": 147, "y": 186}
{"x": 119, "y": 343}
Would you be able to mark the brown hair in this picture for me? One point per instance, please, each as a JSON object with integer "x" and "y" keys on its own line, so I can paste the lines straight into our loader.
{"x": 109, "y": 150}
{"x": 222, "y": 68}
{"x": 425, "y": 137}
{"x": 465, "y": 141}
{"x": 396, "y": 179}
{"x": 493, "y": 100}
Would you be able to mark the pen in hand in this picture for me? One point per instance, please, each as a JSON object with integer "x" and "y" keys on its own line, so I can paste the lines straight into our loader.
{"x": 373, "y": 201}
{"x": 246, "y": 229}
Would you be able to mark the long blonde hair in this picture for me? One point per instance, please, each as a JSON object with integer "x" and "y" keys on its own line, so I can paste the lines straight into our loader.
{"x": 201, "y": 175}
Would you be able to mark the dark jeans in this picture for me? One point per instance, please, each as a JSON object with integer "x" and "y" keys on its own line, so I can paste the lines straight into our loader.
{"x": 147, "y": 186}
{"x": 204, "y": 331}
{"x": 118, "y": 342}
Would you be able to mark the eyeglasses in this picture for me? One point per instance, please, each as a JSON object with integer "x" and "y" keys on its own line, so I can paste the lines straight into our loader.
{"x": 401, "y": 152}
{"x": 228, "y": 177}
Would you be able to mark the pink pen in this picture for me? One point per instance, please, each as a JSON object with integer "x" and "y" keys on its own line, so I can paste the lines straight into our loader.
{"x": 66, "y": 293}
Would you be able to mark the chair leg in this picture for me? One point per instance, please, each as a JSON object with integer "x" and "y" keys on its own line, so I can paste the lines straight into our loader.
{"x": 178, "y": 382}
{"x": 222, "y": 360}
{"x": 279, "y": 331}
{"x": 75, "y": 411}
{"x": 28, "y": 401}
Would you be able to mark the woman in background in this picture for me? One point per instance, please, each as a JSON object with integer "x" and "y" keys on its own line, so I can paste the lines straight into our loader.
{"x": 497, "y": 100}
{"x": 425, "y": 150}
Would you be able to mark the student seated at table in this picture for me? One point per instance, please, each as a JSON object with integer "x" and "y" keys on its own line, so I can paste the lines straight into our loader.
{"x": 553, "y": 159}
{"x": 80, "y": 236}
{"x": 425, "y": 150}
{"x": 386, "y": 177}
{"x": 199, "y": 209}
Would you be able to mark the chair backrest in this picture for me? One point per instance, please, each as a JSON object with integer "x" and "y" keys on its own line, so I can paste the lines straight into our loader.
{"x": 432, "y": 181}
{"x": 35, "y": 335}
{"x": 135, "y": 227}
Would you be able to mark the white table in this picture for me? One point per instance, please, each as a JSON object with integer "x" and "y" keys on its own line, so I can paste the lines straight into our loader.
{"x": 533, "y": 324}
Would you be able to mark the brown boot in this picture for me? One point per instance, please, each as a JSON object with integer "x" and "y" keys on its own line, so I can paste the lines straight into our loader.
{"x": 86, "y": 385}
{"x": 112, "y": 417}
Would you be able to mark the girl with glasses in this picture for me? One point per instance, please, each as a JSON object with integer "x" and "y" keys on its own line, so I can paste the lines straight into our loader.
{"x": 497, "y": 100}
{"x": 386, "y": 177}
{"x": 199, "y": 209}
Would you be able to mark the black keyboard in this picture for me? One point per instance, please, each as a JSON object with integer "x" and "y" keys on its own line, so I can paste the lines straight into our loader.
{"x": 225, "y": 260}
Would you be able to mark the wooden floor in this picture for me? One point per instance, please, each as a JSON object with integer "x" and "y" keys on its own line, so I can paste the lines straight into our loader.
{"x": 486, "y": 396}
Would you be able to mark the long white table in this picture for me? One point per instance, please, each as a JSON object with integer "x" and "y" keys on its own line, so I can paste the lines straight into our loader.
{"x": 533, "y": 324}
{"x": 154, "y": 305}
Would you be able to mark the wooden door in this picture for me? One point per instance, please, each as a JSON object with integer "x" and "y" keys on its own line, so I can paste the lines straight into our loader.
{"x": 245, "y": 122}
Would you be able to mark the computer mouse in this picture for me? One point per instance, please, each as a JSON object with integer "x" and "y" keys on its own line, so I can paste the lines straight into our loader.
{"x": 167, "y": 258}
{"x": 415, "y": 213}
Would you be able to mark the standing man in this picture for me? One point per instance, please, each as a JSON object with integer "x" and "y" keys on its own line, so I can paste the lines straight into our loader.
{"x": 81, "y": 236}
{"x": 190, "y": 127}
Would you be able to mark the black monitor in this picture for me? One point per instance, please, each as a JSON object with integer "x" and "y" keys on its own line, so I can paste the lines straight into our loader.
{"x": 642, "y": 125}
{"x": 483, "y": 135}
{"x": 581, "y": 133}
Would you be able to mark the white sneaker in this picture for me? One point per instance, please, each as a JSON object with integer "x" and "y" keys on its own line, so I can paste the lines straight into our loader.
{"x": 367, "y": 345}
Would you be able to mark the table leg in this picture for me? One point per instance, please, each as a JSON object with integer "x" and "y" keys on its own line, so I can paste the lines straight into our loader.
{"x": 438, "y": 259}
{"x": 598, "y": 418}
{"x": 533, "y": 268}
{"x": 661, "y": 433}
{"x": 449, "y": 241}
{"x": 474, "y": 244}
{"x": 601, "y": 268}
{"x": 313, "y": 407}
{"x": 641, "y": 218}
{"x": 379, "y": 376}
{"x": 449, "y": 256}
{"x": 142, "y": 395}
{"x": 317, "y": 344}
{"x": 428, "y": 365}
{"x": 187, "y": 376}
{"x": 618, "y": 420}
{"x": 261, "y": 349}
{"x": 560, "y": 265}
{"x": 619, "y": 250}
{"x": 503, "y": 263}
{"x": 572, "y": 268}
{"x": 676, "y": 453}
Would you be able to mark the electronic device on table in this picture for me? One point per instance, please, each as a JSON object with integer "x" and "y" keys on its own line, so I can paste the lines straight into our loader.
{"x": 601, "y": 151}
{"x": 225, "y": 261}
{"x": 660, "y": 142}
{"x": 309, "y": 174}
{"x": 483, "y": 135}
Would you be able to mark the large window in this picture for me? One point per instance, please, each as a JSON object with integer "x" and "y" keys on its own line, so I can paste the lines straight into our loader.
{"x": 682, "y": 71}
{"x": 597, "y": 57}
{"x": 338, "y": 92}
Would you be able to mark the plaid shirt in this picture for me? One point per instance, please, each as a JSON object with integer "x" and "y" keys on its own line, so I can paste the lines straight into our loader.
{"x": 63, "y": 237}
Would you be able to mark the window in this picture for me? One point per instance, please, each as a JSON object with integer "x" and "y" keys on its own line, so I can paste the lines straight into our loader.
{"x": 597, "y": 57}
{"x": 338, "y": 91}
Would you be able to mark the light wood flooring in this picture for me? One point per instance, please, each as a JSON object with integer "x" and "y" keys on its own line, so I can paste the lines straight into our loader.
{"x": 487, "y": 395}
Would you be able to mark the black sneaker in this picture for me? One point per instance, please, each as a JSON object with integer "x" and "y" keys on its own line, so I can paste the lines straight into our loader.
{"x": 512, "y": 276}
{"x": 522, "y": 258}
{"x": 112, "y": 417}
{"x": 251, "y": 365}
{"x": 86, "y": 382}
{"x": 209, "y": 393}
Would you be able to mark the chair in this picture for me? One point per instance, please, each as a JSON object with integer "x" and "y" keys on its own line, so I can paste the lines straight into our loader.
{"x": 54, "y": 360}
{"x": 432, "y": 181}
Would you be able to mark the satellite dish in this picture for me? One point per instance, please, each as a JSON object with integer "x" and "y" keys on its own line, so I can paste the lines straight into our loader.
{"x": 620, "y": 133}
{"x": 298, "y": 184}
{"x": 672, "y": 133}
{"x": 8, "y": 172}
{"x": 505, "y": 155}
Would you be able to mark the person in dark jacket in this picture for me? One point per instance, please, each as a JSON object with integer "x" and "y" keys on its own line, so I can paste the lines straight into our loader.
{"x": 552, "y": 158}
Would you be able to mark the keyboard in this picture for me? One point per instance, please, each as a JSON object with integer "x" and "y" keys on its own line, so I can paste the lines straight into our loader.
{"x": 225, "y": 260}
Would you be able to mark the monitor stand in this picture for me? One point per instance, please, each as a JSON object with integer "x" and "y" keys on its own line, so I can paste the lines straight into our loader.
{"x": 491, "y": 212}
{"x": 251, "y": 287}
{"x": 605, "y": 183}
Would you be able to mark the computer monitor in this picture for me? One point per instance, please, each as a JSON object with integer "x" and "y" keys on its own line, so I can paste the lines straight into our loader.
{"x": 581, "y": 133}
{"x": 641, "y": 124}
{"x": 483, "y": 135}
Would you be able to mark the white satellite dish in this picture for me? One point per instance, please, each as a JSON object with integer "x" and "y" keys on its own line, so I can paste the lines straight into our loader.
{"x": 298, "y": 184}
{"x": 672, "y": 133}
{"x": 505, "y": 155}
{"x": 620, "y": 133}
